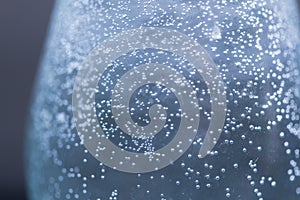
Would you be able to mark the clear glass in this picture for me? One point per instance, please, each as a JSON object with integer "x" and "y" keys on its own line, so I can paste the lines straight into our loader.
{"x": 223, "y": 75}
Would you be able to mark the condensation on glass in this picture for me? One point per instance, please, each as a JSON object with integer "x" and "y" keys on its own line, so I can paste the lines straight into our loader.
{"x": 253, "y": 47}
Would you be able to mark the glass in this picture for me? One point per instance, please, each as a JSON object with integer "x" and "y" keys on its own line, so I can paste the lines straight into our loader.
{"x": 167, "y": 100}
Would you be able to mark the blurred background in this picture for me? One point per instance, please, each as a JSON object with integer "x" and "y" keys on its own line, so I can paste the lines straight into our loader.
{"x": 23, "y": 28}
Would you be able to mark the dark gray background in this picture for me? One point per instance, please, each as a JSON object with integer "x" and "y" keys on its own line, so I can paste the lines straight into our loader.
{"x": 23, "y": 28}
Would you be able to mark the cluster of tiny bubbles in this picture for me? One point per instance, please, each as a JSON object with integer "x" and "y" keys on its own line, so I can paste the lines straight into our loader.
{"x": 257, "y": 155}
